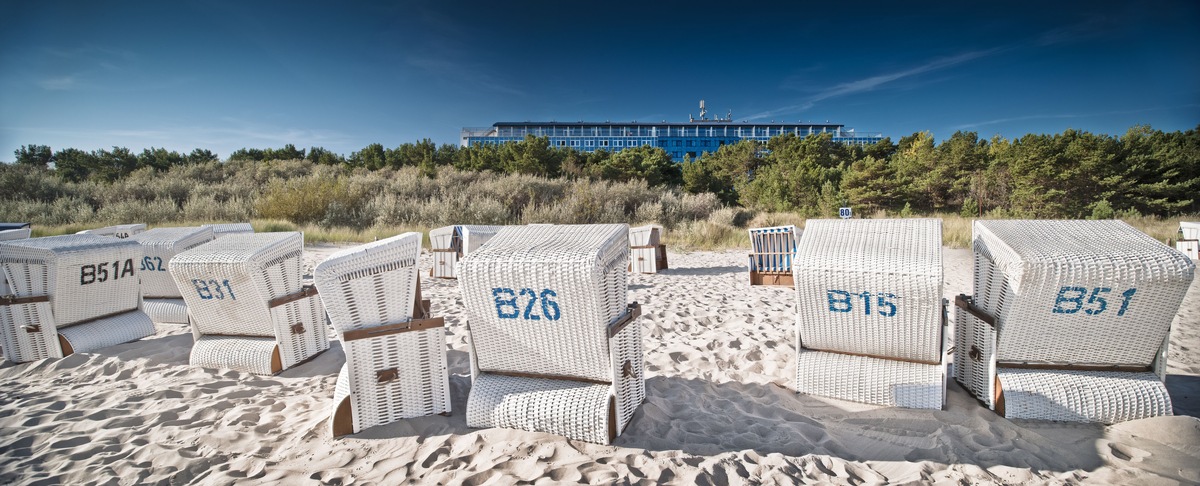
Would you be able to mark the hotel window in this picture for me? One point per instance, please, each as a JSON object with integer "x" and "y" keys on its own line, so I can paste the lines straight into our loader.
{"x": 678, "y": 143}
{"x": 562, "y": 143}
{"x": 691, "y": 143}
{"x": 647, "y": 142}
{"x": 589, "y": 143}
{"x": 574, "y": 143}
{"x": 618, "y": 143}
{"x": 604, "y": 143}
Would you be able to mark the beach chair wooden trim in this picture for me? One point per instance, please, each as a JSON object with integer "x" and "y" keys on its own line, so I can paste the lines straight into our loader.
{"x": 632, "y": 312}
{"x": 343, "y": 418}
{"x": 14, "y": 300}
{"x": 966, "y": 303}
{"x": 397, "y": 328}
{"x": 65, "y": 345}
{"x": 304, "y": 293}
{"x": 518, "y": 374}
{"x": 862, "y": 355}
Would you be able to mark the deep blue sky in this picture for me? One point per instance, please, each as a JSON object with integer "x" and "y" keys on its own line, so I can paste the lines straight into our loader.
{"x": 226, "y": 75}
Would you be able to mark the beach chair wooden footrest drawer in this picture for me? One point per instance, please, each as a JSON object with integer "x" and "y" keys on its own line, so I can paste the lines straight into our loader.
{"x": 166, "y": 311}
{"x": 1081, "y": 396}
{"x": 258, "y": 355}
{"x": 574, "y": 409}
{"x": 107, "y": 331}
{"x": 871, "y": 380}
{"x": 391, "y": 377}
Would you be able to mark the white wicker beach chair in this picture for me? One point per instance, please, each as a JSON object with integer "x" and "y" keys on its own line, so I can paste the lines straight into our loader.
{"x": 772, "y": 250}
{"x": 395, "y": 354}
{"x": 161, "y": 299}
{"x": 870, "y": 321}
{"x": 226, "y": 229}
{"x": 1070, "y": 320}
{"x": 1189, "y": 239}
{"x": 553, "y": 344}
{"x": 250, "y": 310}
{"x": 450, "y": 243}
{"x": 120, "y": 231}
{"x": 74, "y": 293}
{"x": 647, "y": 254}
{"x": 8, "y": 235}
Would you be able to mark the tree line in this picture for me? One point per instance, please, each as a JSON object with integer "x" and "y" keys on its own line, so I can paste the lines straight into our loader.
{"x": 1073, "y": 174}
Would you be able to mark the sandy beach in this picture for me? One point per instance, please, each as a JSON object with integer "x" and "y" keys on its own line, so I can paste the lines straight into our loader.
{"x": 720, "y": 359}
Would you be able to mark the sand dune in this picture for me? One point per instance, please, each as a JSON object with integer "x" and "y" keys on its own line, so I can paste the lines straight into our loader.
{"x": 719, "y": 358}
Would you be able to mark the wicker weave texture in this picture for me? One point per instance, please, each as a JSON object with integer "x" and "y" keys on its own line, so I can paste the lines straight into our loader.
{"x": 421, "y": 385}
{"x": 375, "y": 285}
{"x": 1083, "y": 396}
{"x": 14, "y": 234}
{"x": 300, "y": 330}
{"x": 248, "y": 354}
{"x": 77, "y": 272}
{"x": 1077, "y": 292}
{"x": 21, "y": 345}
{"x": 475, "y": 235}
{"x": 628, "y": 371}
{"x": 255, "y": 268}
{"x": 871, "y": 380}
{"x": 975, "y": 356}
{"x": 772, "y": 248}
{"x": 121, "y": 231}
{"x": 225, "y": 229}
{"x": 871, "y": 287}
{"x": 110, "y": 331}
{"x": 370, "y": 285}
{"x": 6, "y": 235}
{"x": 540, "y": 298}
{"x": 573, "y": 409}
{"x": 160, "y": 245}
{"x": 166, "y": 311}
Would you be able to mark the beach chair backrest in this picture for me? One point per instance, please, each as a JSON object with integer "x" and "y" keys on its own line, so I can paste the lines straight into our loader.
{"x": 120, "y": 231}
{"x": 473, "y": 236}
{"x": 1189, "y": 231}
{"x": 160, "y": 245}
{"x": 540, "y": 298}
{"x": 6, "y": 235}
{"x": 228, "y": 283}
{"x": 350, "y": 282}
{"x": 1077, "y": 292}
{"x": 648, "y": 235}
{"x": 225, "y": 229}
{"x": 871, "y": 287}
{"x": 774, "y": 248}
{"x": 85, "y": 276}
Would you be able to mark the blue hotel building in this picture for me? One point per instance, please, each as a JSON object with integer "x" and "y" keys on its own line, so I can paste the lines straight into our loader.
{"x": 677, "y": 139}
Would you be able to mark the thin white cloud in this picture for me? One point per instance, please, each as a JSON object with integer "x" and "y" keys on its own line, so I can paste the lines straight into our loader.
{"x": 59, "y": 83}
{"x": 875, "y": 82}
{"x": 1058, "y": 116}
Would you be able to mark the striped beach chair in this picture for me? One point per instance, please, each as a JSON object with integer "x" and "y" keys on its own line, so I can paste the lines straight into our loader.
{"x": 871, "y": 321}
{"x": 120, "y": 231}
{"x": 70, "y": 294}
{"x": 1188, "y": 242}
{"x": 1070, "y": 320}
{"x": 395, "y": 353}
{"x": 250, "y": 309}
{"x": 161, "y": 298}
{"x": 772, "y": 250}
{"x": 553, "y": 344}
{"x": 647, "y": 254}
{"x": 451, "y": 243}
